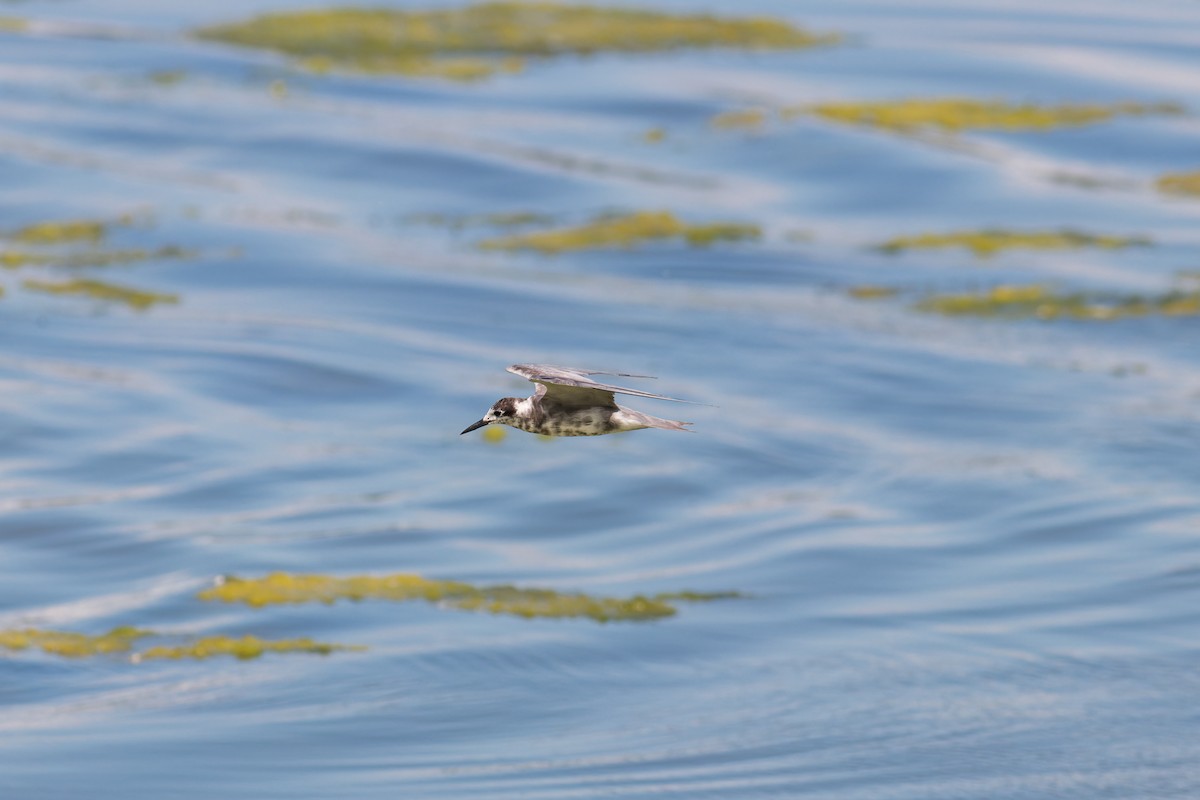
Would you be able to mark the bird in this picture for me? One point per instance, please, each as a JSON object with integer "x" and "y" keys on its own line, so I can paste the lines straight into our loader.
{"x": 569, "y": 403}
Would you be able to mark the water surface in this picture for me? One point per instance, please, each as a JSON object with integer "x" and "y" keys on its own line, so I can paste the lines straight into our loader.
{"x": 967, "y": 548}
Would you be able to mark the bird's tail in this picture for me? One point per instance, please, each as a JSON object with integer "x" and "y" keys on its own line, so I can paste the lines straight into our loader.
{"x": 655, "y": 422}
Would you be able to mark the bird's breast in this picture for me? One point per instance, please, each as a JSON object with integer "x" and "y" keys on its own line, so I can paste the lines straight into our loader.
{"x": 574, "y": 422}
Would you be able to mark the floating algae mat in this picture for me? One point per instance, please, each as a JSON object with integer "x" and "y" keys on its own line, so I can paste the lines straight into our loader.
{"x": 1184, "y": 183}
{"x": 285, "y": 588}
{"x": 628, "y": 230}
{"x": 959, "y": 114}
{"x": 48, "y": 238}
{"x": 51, "y": 233}
{"x": 750, "y": 119}
{"x": 476, "y": 41}
{"x": 241, "y": 647}
{"x": 69, "y": 644}
{"x": 72, "y": 645}
{"x": 134, "y": 298}
{"x": 984, "y": 243}
{"x": 78, "y": 243}
{"x": 59, "y": 232}
{"x": 870, "y": 291}
{"x": 1035, "y": 301}
{"x": 91, "y": 257}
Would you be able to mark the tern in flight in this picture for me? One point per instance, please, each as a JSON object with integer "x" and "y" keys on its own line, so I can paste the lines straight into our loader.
{"x": 569, "y": 403}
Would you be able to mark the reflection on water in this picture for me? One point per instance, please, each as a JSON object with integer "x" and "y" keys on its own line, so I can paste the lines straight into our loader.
{"x": 249, "y": 299}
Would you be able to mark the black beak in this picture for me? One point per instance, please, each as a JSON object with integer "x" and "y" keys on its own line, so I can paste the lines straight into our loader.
{"x": 472, "y": 427}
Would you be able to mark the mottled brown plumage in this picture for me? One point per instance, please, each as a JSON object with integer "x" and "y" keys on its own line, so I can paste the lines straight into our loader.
{"x": 569, "y": 403}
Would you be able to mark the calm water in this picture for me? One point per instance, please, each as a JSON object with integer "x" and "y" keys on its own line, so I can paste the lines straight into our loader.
{"x": 970, "y": 550}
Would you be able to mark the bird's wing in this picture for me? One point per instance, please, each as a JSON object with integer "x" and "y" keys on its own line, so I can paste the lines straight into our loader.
{"x": 569, "y": 397}
{"x": 574, "y": 387}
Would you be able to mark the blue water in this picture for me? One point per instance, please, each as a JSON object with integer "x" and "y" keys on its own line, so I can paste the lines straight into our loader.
{"x": 969, "y": 550}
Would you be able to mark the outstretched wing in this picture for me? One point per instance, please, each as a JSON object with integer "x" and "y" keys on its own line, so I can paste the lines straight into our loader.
{"x": 573, "y": 386}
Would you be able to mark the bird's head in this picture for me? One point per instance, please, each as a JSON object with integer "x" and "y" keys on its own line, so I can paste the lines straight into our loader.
{"x": 503, "y": 411}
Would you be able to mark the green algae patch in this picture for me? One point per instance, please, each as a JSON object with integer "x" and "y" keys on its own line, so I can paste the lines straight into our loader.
{"x": 168, "y": 77}
{"x": 748, "y": 120}
{"x": 69, "y": 644}
{"x": 60, "y": 232}
{"x": 465, "y": 70}
{"x": 243, "y": 648}
{"x": 1181, "y": 183}
{"x": 72, "y": 645}
{"x": 623, "y": 231}
{"x": 89, "y": 257}
{"x": 872, "y": 292}
{"x": 705, "y": 235}
{"x": 51, "y": 233}
{"x": 986, "y": 243}
{"x": 960, "y": 114}
{"x": 655, "y": 135}
{"x": 285, "y": 588}
{"x": 15, "y": 259}
{"x": 99, "y": 290}
{"x": 76, "y": 243}
{"x": 477, "y": 41}
{"x": 697, "y": 597}
{"x": 13, "y": 25}
{"x": 1035, "y": 301}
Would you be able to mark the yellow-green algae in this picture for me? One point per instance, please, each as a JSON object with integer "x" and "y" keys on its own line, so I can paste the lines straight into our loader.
{"x": 60, "y": 232}
{"x": 476, "y": 41}
{"x": 1185, "y": 183}
{"x": 958, "y": 114}
{"x": 134, "y": 298}
{"x": 655, "y": 135}
{"x": 285, "y": 588}
{"x": 872, "y": 292}
{"x": 75, "y": 243}
{"x": 1036, "y": 301}
{"x": 985, "y": 243}
{"x": 749, "y": 119}
{"x": 627, "y": 231}
{"x": 72, "y": 645}
{"x": 168, "y": 77}
{"x": 14, "y": 259}
{"x": 13, "y": 24}
{"x": 452, "y": 69}
{"x": 242, "y": 647}
{"x": 69, "y": 644}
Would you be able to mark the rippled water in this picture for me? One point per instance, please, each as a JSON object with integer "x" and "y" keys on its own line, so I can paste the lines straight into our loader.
{"x": 968, "y": 549}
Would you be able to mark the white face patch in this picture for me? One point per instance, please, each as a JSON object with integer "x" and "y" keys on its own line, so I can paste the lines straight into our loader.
{"x": 506, "y": 414}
